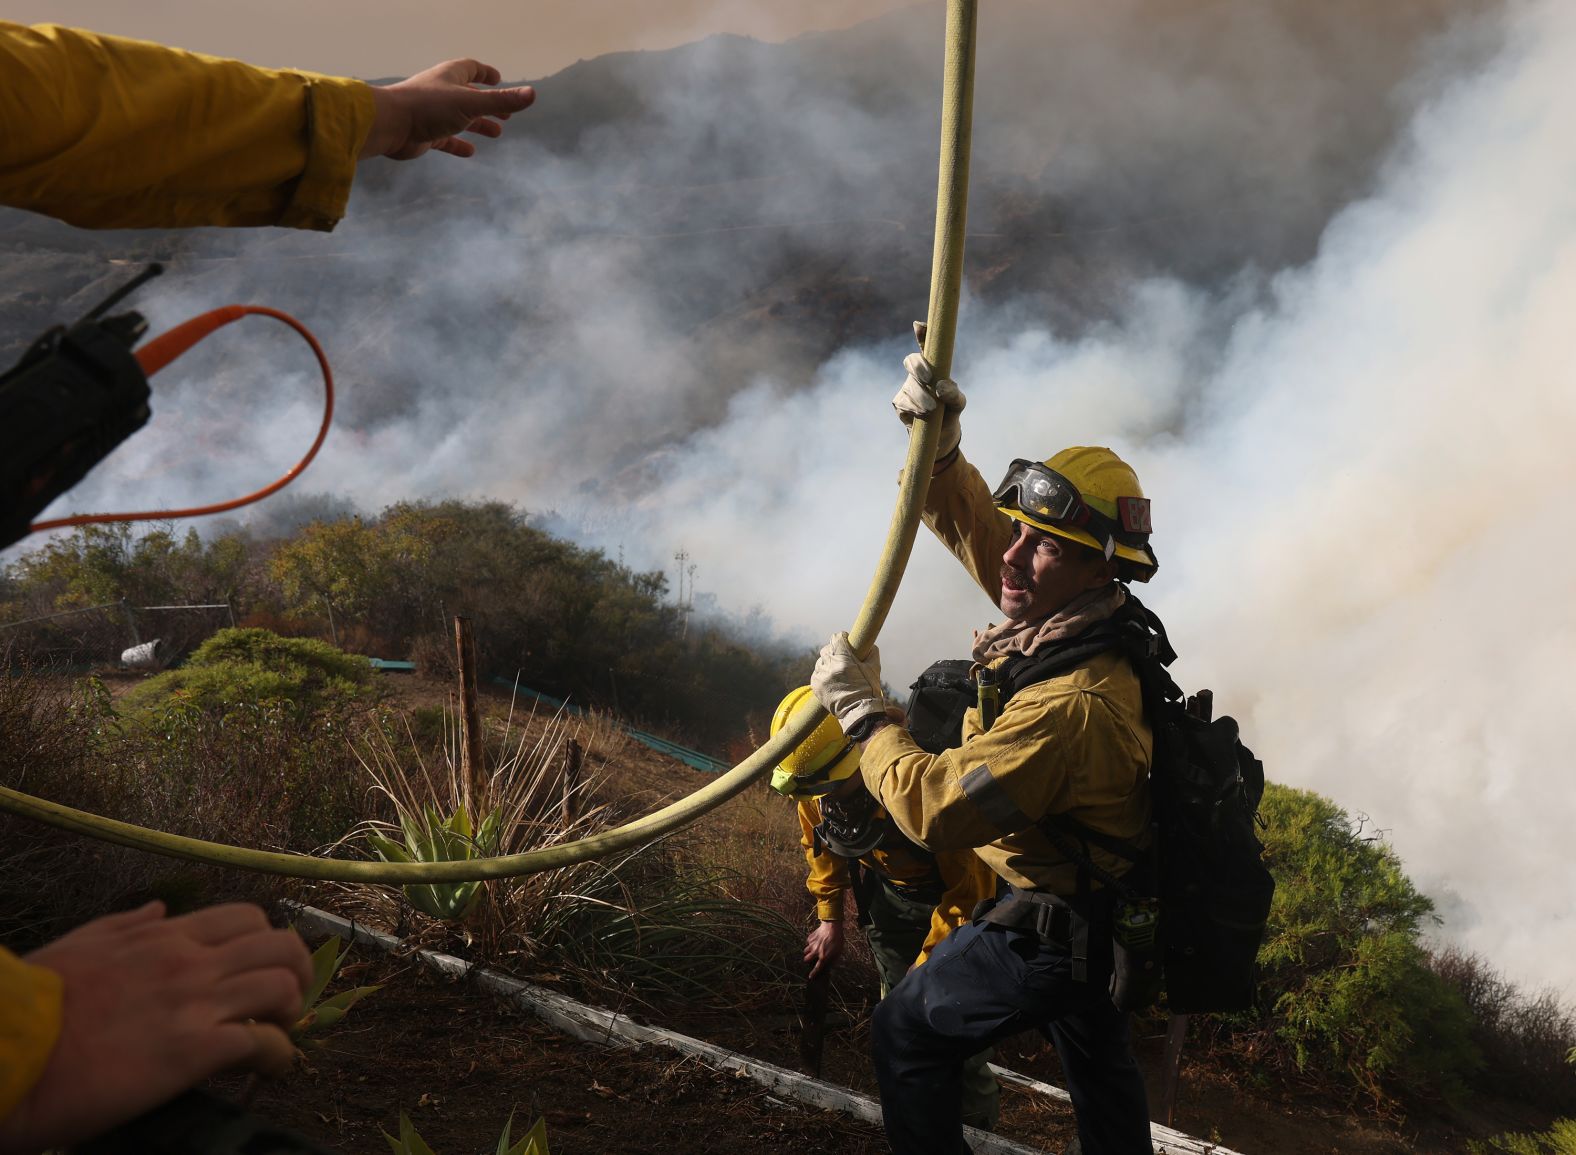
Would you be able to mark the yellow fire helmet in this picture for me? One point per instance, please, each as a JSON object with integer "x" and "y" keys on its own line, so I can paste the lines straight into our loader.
{"x": 1085, "y": 494}
{"x": 818, "y": 763}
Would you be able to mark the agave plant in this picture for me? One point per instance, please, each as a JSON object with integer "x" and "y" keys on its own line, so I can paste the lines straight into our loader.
{"x": 410, "y": 1141}
{"x": 322, "y": 1013}
{"x": 442, "y": 817}
{"x": 429, "y": 837}
{"x": 648, "y": 923}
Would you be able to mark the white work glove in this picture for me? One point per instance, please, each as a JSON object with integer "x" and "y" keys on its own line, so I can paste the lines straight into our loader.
{"x": 850, "y": 689}
{"x": 923, "y": 392}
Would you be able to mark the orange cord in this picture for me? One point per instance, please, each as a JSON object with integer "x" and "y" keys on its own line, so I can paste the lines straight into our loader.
{"x": 163, "y": 349}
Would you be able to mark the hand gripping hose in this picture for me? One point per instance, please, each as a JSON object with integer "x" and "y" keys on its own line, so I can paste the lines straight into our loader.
{"x": 945, "y": 281}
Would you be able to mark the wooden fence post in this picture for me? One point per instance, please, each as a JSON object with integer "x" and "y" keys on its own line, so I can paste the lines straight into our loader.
{"x": 471, "y": 762}
{"x": 573, "y": 757}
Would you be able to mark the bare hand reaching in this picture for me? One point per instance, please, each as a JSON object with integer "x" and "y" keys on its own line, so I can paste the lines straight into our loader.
{"x": 432, "y": 108}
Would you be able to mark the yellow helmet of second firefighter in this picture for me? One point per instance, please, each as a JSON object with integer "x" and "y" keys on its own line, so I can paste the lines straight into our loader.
{"x": 818, "y": 763}
{"x": 1110, "y": 488}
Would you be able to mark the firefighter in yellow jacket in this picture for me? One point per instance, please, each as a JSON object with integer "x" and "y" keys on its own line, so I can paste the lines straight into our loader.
{"x": 126, "y": 1011}
{"x": 1053, "y": 546}
{"x": 909, "y": 899}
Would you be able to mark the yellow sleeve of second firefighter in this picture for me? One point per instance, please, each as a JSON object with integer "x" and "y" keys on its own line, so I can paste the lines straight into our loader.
{"x": 105, "y": 132}
{"x": 969, "y": 882}
{"x": 828, "y": 881}
{"x": 30, "y": 1000}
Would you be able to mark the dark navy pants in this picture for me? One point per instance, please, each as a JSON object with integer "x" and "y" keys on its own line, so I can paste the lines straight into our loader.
{"x": 983, "y": 984}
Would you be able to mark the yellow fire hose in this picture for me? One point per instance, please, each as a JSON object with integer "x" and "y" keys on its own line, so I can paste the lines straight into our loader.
{"x": 945, "y": 281}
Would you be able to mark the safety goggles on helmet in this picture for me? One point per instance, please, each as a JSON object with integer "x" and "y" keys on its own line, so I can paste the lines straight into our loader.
{"x": 1040, "y": 493}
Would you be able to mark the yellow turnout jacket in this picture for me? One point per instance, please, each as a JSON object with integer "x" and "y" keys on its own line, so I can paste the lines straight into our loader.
{"x": 964, "y": 878}
{"x": 1076, "y": 744}
{"x": 105, "y": 132}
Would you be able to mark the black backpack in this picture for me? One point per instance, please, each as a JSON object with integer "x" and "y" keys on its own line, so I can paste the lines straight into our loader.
{"x": 1209, "y": 877}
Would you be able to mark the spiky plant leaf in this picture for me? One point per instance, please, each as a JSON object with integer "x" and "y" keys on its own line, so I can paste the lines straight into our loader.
{"x": 344, "y": 1000}
{"x": 409, "y": 1141}
{"x": 503, "y": 1140}
{"x": 487, "y": 835}
{"x": 325, "y": 964}
{"x": 535, "y": 1141}
{"x": 330, "y": 1011}
{"x": 389, "y": 850}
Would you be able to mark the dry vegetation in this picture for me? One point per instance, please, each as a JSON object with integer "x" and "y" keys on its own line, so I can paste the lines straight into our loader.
{"x": 699, "y": 931}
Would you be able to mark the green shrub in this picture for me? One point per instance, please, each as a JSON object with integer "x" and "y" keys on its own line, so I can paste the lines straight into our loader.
{"x": 252, "y": 667}
{"x": 1345, "y": 982}
{"x": 569, "y": 621}
{"x": 429, "y": 726}
{"x": 1525, "y": 1037}
{"x": 254, "y": 775}
{"x": 1558, "y": 1140}
{"x": 106, "y": 563}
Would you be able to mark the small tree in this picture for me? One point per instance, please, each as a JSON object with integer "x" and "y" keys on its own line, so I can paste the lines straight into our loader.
{"x": 1344, "y": 972}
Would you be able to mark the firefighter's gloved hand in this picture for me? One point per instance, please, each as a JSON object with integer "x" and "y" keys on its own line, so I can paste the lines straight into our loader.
{"x": 923, "y": 392}
{"x": 850, "y": 689}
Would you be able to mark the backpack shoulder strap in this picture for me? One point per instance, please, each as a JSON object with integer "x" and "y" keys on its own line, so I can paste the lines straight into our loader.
{"x": 1023, "y": 670}
{"x": 1141, "y": 636}
{"x": 1134, "y": 629}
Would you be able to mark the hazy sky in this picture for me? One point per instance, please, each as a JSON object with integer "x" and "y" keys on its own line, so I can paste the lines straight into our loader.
{"x": 375, "y": 38}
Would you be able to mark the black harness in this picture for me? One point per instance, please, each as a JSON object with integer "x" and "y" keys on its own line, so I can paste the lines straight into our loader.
{"x": 855, "y": 827}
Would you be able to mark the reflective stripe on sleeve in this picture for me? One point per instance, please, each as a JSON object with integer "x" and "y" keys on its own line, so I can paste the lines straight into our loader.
{"x": 980, "y": 787}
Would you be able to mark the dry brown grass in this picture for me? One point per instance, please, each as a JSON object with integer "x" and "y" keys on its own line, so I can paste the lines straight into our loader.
{"x": 248, "y": 779}
{"x": 666, "y": 919}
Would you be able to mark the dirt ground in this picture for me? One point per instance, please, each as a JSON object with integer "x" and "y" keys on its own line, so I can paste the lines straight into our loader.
{"x": 458, "y": 1061}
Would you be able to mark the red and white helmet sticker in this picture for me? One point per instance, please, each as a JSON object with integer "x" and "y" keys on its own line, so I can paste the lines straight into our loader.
{"x": 1134, "y": 513}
